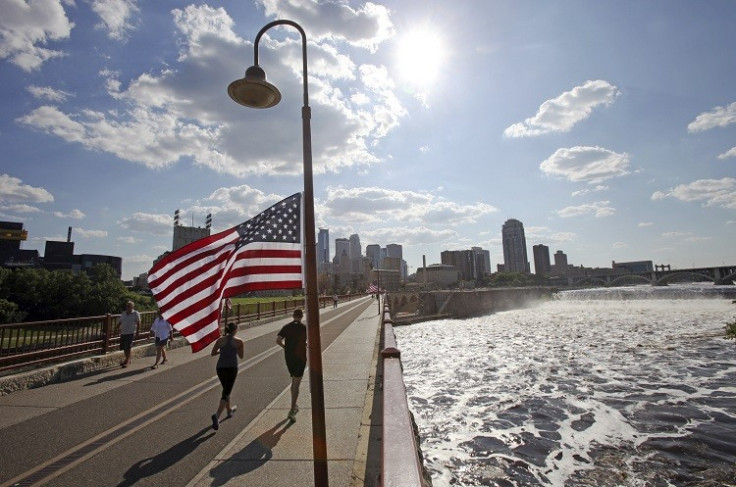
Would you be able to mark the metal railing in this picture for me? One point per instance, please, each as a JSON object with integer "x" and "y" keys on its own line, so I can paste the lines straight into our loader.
{"x": 401, "y": 465}
{"x": 24, "y": 345}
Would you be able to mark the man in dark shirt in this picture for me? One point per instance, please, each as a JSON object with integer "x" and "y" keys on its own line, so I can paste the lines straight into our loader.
{"x": 293, "y": 339}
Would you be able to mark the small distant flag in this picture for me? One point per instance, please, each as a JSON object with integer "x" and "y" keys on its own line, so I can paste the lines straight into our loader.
{"x": 372, "y": 288}
{"x": 264, "y": 252}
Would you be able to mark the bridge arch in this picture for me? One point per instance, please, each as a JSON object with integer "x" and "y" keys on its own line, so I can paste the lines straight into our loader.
{"x": 619, "y": 281}
{"x": 729, "y": 279}
{"x": 591, "y": 280}
{"x": 675, "y": 276}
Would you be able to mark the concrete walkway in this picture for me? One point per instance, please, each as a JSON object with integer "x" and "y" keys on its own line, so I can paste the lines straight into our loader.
{"x": 269, "y": 450}
{"x": 273, "y": 451}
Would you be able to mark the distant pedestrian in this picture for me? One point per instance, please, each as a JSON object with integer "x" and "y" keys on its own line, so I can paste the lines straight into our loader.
{"x": 334, "y": 301}
{"x": 128, "y": 325}
{"x": 229, "y": 348}
{"x": 162, "y": 332}
{"x": 293, "y": 339}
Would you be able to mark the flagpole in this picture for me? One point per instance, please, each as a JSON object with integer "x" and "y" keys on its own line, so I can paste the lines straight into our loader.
{"x": 254, "y": 91}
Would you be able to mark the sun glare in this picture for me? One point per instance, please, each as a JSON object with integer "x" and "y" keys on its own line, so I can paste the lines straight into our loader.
{"x": 420, "y": 55}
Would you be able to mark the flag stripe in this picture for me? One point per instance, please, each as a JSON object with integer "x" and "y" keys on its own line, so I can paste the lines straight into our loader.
{"x": 262, "y": 253}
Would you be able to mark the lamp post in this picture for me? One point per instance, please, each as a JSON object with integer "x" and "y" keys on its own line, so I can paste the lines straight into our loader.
{"x": 254, "y": 91}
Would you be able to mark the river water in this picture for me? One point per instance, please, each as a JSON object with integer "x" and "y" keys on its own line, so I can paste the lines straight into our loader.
{"x": 610, "y": 387}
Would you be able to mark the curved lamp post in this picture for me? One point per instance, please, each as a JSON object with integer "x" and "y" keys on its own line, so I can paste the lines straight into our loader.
{"x": 255, "y": 92}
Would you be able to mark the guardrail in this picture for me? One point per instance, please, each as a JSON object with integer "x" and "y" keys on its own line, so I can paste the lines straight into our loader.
{"x": 401, "y": 465}
{"x": 36, "y": 343}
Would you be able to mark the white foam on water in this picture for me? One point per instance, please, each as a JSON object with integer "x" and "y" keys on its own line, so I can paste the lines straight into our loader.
{"x": 566, "y": 387}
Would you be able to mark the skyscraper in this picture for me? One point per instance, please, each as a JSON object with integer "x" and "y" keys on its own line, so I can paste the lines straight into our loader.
{"x": 373, "y": 252}
{"x": 323, "y": 247}
{"x": 514, "y": 247}
{"x": 541, "y": 260}
{"x": 355, "y": 248}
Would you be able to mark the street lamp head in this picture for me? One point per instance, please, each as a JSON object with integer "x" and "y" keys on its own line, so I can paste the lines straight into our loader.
{"x": 253, "y": 90}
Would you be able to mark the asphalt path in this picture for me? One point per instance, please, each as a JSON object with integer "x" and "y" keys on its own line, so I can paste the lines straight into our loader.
{"x": 151, "y": 428}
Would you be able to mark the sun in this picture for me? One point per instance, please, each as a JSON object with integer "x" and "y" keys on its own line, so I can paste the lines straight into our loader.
{"x": 419, "y": 57}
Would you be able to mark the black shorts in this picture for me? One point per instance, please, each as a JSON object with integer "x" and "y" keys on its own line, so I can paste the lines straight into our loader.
{"x": 161, "y": 342}
{"x": 295, "y": 366}
{"x": 227, "y": 376}
{"x": 126, "y": 342}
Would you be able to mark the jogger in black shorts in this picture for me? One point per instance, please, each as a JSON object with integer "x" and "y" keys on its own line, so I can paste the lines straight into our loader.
{"x": 293, "y": 339}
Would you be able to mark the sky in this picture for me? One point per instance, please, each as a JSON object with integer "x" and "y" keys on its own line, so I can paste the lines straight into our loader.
{"x": 607, "y": 128}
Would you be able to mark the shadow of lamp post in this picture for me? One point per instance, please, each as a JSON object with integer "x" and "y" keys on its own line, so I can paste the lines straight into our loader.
{"x": 255, "y": 92}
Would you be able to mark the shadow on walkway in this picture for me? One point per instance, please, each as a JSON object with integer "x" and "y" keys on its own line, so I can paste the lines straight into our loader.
{"x": 151, "y": 466}
{"x": 254, "y": 455}
{"x": 123, "y": 375}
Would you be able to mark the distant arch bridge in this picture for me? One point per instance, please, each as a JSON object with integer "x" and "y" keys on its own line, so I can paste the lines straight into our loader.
{"x": 660, "y": 277}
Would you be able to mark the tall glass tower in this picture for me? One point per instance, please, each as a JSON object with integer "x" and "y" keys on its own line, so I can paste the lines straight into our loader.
{"x": 323, "y": 247}
{"x": 514, "y": 247}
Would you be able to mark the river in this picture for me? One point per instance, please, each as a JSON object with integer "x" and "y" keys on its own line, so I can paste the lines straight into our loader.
{"x": 610, "y": 387}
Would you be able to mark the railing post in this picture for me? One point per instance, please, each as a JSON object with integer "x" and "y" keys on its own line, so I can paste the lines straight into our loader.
{"x": 108, "y": 332}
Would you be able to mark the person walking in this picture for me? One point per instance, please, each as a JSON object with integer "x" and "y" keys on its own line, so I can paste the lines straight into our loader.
{"x": 128, "y": 325}
{"x": 293, "y": 339}
{"x": 162, "y": 332}
{"x": 334, "y": 301}
{"x": 229, "y": 348}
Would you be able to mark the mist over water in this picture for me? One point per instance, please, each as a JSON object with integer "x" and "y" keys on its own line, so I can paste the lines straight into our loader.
{"x": 587, "y": 390}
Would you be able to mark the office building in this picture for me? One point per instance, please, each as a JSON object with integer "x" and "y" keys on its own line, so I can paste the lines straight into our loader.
{"x": 514, "y": 247}
{"x": 323, "y": 248}
{"x": 355, "y": 249}
{"x": 542, "y": 265}
{"x": 373, "y": 253}
{"x": 186, "y": 235}
{"x": 11, "y": 255}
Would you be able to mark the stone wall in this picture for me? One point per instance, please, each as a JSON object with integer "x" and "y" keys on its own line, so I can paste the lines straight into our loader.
{"x": 466, "y": 304}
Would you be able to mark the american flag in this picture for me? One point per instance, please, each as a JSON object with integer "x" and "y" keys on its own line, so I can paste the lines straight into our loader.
{"x": 372, "y": 288}
{"x": 265, "y": 252}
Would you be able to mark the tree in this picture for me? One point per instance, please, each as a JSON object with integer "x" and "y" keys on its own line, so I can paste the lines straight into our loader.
{"x": 511, "y": 279}
{"x": 40, "y": 294}
{"x": 9, "y": 312}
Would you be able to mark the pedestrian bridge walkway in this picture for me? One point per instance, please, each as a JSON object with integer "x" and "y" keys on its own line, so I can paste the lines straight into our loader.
{"x": 139, "y": 426}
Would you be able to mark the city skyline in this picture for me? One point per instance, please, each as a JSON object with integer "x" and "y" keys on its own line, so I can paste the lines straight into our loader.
{"x": 608, "y": 128}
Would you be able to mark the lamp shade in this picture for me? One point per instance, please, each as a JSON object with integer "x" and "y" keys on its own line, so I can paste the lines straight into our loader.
{"x": 253, "y": 90}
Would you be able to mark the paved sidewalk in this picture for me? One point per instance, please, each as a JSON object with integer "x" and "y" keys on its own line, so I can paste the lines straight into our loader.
{"x": 271, "y": 451}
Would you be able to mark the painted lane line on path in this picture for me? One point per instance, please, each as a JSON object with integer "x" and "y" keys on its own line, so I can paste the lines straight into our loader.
{"x": 74, "y": 456}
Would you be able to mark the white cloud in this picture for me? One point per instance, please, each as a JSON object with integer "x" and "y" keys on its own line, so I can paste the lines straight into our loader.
{"x": 128, "y": 240}
{"x": 588, "y": 164}
{"x": 90, "y": 233}
{"x": 562, "y": 113}
{"x": 729, "y": 153}
{"x": 717, "y": 117}
{"x": 366, "y": 27}
{"x": 410, "y": 235}
{"x": 12, "y": 189}
{"x": 75, "y": 214}
{"x": 711, "y": 192}
{"x": 585, "y": 191}
{"x": 147, "y": 223}
{"x": 598, "y": 209}
{"x": 183, "y": 114}
{"x": 25, "y": 26}
{"x": 645, "y": 224}
{"x": 115, "y": 15}
{"x": 48, "y": 93}
{"x": 370, "y": 204}
{"x": 18, "y": 208}
{"x": 547, "y": 235}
